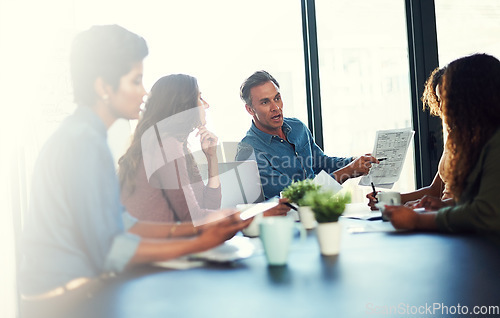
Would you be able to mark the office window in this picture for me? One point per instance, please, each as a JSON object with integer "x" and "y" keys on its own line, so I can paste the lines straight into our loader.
{"x": 220, "y": 42}
{"x": 364, "y": 78}
{"x": 466, "y": 27}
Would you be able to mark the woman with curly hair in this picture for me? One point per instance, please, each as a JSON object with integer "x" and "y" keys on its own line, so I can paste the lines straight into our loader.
{"x": 471, "y": 111}
{"x": 438, "y": 187}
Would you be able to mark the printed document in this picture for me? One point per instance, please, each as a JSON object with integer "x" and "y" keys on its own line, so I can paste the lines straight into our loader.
{"x": 393, "y": 145}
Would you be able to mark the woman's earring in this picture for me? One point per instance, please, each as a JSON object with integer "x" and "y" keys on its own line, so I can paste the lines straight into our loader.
{"x": 105, "y": 98}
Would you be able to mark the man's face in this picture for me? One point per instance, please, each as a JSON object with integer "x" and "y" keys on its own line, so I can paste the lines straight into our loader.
{"x": 266, "y": 108}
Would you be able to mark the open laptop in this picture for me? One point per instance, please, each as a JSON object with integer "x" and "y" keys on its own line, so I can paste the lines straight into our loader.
{"x": 240, "y": 182}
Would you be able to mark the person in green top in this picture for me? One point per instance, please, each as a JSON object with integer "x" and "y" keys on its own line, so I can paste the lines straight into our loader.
{"x": 471, "y": 109}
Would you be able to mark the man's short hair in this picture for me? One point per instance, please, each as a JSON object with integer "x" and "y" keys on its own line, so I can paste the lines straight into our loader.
{"x": 107, "y": 51}
{"x": 256, "y": 79}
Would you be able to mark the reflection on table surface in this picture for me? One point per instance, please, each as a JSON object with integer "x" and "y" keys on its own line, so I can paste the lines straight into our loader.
{"x": 376, "y": 274}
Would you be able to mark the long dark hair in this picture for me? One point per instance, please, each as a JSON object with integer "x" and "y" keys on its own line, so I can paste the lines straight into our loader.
{"x": 107, "y": 51}
{"x": 170, "y": 95}
{"x": 471, "y": 110}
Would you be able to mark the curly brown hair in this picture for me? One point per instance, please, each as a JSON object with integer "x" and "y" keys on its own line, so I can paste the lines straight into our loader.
{"x": 429, "y": 97}
{"x": 471, "y": 110}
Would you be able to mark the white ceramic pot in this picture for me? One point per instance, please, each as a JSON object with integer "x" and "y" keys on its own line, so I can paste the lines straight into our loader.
{"x": 307, "y": 218}
{"x": 329, "y": 238}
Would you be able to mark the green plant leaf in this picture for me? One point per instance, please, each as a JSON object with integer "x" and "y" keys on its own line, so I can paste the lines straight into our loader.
{"x": 326, "y": 205}
{"x": 296, "y": 191}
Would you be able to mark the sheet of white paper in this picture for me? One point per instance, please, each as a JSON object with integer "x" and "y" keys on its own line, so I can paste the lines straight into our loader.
{"x": 371, "y": 227}
{"x": 327, "y": 182}
{"x": 393, "y": 145}
{"x": 360, "y": 211}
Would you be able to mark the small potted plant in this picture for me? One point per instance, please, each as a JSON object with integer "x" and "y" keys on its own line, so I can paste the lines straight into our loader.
{"x": 328, "y": 208}
{"x": 296, "y": 192}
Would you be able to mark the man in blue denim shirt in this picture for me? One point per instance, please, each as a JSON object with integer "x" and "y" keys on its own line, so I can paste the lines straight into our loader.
{"x": 284, "y": 148}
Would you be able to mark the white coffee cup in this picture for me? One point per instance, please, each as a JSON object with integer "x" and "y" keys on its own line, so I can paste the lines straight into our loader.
{"x": 276, "y": 234}
{"x": 387, "y": 198}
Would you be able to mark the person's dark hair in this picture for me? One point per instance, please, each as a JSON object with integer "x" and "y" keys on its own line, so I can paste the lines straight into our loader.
{"x": 429, "y": 97}
{"x": 107, "y": 51}
{"x": 471, "y": 109}
{"x": 256, "y": 79}
{"x": 170, "y": 95}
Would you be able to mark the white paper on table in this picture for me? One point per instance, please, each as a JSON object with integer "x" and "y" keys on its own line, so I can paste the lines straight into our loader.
{"x": 327, "y": 182}
{"x": 391, "y": 144}
{"x": 360, "y": 211}
{"x": 371, "y": 227}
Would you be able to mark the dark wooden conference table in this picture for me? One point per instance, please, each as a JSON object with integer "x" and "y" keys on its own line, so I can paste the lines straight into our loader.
{"x": 380, "y": 274}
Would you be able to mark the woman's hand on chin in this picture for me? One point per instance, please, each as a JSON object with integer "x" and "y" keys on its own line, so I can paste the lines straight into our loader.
{"x": 208, "y": 141}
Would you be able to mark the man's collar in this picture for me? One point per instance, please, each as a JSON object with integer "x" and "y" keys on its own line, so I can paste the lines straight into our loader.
{"x": 267, "y": 138}
{"x": 286, "y": 128}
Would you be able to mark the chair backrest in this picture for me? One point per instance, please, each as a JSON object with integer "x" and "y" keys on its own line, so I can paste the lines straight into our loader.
{"x": 226, "y": 152}
{"x": 229, "y": 149}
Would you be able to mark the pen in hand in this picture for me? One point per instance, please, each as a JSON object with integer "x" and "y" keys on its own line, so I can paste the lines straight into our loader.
{"x": 285, "y": 203}
{"x": 290, "y": 206}
{"x": 374, "y": 191}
